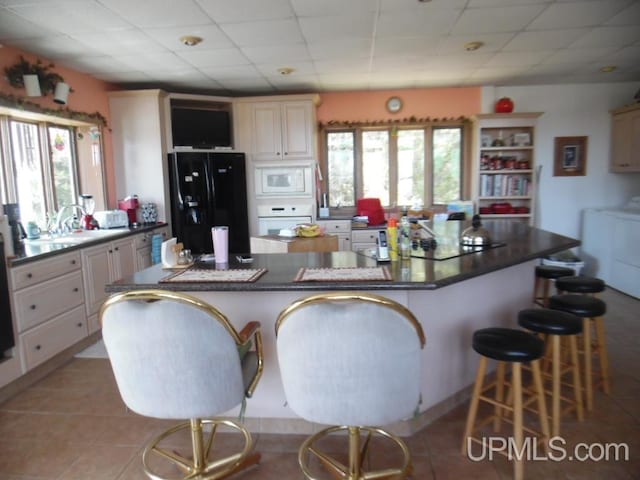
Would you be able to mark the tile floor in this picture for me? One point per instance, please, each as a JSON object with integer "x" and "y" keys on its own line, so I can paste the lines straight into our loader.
{"x": 72, "y": 425}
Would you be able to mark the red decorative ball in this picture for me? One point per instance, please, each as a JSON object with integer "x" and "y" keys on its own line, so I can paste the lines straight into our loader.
{"x": 504, "y": 105}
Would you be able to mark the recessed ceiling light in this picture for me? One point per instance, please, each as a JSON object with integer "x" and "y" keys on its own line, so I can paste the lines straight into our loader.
{"x": 190, "y": 40}
{"x": 473, "y": 46}
{"x": 608, "y": 69}
{"x": 286, "y": 70}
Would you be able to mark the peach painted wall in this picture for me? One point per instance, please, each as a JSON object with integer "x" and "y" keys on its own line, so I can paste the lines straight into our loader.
{"x": 421, "y": 103}
{"x": 89, "y": 95}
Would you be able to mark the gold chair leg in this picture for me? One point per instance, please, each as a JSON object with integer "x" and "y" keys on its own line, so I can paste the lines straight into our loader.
{"x": 198, "y": 466}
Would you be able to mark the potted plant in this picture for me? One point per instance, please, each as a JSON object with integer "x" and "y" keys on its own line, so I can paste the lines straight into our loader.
{"x": 36, "y": 78}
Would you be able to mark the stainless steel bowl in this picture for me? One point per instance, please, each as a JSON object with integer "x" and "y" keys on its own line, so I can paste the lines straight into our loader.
{"x": 476, "y": 234}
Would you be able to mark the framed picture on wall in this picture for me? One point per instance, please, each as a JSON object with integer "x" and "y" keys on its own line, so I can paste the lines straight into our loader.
{"x": 570, "y": 156}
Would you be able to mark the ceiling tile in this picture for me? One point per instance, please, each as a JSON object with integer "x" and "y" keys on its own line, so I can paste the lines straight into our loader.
{"x": 324, "y": 8}
{"x": 300, "y": 69}
{"x": 269, "y": 32}
{"x": 576, "y": 55}
{"x": 229, "y": 73}
{"x": 495, "y": 20}
{"x": 225, "y": 11}
{"x": 99, "y": 64}
{"x": 160, "y": 62}
{"x": 13, "y": 27}
{"x": 577, "y": 14}
{"x": 628, "y": 16}
{"x": 295, "y": 52}
{"x": 55, "y": 47}
{"x": 346, "y": 67}
{"x": 397, "y": 5}
{"x": 70, "y": 17}
{"x": 512, "y": 59}
{"x": 337, "y": 27}
{"x": 158, "y": 13}
{"x": 339, "y": 50}
{"x": 454, "y": 44}
{"x": 609, "y": 37}
{"x": 118, "y": 43}
{"x": 391, "y": 46}
{"x": 544, "y": 40}
{"x": 225, "y": 57}
{"x": 415, "y": 23}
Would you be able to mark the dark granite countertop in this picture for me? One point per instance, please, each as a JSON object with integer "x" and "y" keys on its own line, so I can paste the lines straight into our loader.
{"x": 31, "y": 251}
{"x": 522, "y": 244}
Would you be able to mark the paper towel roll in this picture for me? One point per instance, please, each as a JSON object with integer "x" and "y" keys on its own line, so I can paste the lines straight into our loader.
{"x": 168, "y": 254}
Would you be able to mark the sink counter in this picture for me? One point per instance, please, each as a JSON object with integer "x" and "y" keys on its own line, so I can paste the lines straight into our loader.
{"x": 32, "y": 250}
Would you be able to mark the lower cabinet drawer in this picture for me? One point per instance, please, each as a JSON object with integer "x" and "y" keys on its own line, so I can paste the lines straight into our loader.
{"x": 364, "y": 236}
{"x": 37, "y": 304}
{"x": 46, "y": 340}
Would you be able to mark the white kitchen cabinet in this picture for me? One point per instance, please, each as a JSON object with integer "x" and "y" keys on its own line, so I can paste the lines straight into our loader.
{"x": 143, "y": 246}
{"x": 363, "y": 239}
{"x": 625, "y": 139}
{"x": 341, "y": 228}
{"x": 283, "y": 130}
{"x": 104, "y": 264}
{"x": 48, "y": 298}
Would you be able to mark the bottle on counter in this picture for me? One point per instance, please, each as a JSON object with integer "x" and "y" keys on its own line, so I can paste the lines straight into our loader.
{"x": 392, "y": 235}
{"x": 405, "y": 236}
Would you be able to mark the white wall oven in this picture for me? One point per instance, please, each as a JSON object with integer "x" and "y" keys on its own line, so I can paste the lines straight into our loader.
{"x": 284, "y": 181}
{"x": 273, "y": 218}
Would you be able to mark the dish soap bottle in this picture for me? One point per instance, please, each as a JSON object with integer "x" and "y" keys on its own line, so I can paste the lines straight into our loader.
{"x": 405, "y": 236}
{"x": 392, "y": 235}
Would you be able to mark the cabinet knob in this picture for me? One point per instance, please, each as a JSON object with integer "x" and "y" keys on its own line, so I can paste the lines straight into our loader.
{"x": 117, "y": 248}
{"x": 76, "y": 289}
{"x": 73, "y": 262}
{"x": 32, "y": 307}
{"x": 286, "y": 153}
{"x": 110, "y": 251}
{"x": 29, "y": 275}
{"x": 38, "y": 347}
{"x": 79, "y": 324}
{"x": 277, "y": 153}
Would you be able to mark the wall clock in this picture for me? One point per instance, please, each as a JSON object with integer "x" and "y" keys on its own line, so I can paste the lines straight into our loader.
{"x": 394, "y": 104}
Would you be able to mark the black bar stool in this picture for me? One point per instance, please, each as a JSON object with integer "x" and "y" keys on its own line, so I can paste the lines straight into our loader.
{"x": 554, "y": 324}
{"x": 514, "y": 347}
{"x": 591, "y": 310}
{"x": 580, "y": 284}
{"x": 545, "y": 274}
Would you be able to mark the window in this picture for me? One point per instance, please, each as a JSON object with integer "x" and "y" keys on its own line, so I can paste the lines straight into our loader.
{"x": 403, "y": 166}
{"x": 41, "y": 168}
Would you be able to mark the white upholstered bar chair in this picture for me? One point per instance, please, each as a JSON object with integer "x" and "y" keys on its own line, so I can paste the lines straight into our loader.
{"x": 176, "y": 357}
{"x": 351, "y": 360}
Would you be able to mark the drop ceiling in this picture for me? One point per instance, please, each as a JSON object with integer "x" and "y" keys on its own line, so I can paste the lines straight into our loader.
{"x": 331, "y": 45}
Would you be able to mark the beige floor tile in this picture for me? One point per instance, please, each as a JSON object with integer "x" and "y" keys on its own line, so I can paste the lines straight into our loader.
{"x": 100, "y": 463}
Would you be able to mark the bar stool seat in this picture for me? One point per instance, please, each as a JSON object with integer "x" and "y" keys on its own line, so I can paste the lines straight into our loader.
{"x": 591, "y": 310}
{"x": 545, "y": 274}
{"x": 513, "y": 347}
{"x": 554, "y": 324}
{"x": 579, "y": 284}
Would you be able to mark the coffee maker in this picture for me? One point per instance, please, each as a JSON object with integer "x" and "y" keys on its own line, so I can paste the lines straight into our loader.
{"x": 130, "y": 205}
{"x": 18, "y": 234}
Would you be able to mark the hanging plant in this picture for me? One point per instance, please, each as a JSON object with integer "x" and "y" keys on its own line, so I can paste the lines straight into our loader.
{"x": 58, "y": 142}
{"x": 48, "y": 79}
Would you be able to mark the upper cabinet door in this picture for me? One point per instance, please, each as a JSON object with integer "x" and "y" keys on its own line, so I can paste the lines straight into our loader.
{"x": 267, "y": 131}
{"x": 625, "y": 140}
{"x": 297, "y": 129}
{"x": 282, "y": 130}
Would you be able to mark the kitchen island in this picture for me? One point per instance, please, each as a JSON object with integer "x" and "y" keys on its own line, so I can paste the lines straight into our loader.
{"x": 450, "y": 297}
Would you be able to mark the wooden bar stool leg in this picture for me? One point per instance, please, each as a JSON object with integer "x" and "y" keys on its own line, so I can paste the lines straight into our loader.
{"x": 542, "y": 406}
{"x": 518, "y": 461}
{"x": 499, "y": 396}
{"x": 586, "y": 352}
{"x": 577, "y": 388}
{"x": 555, "y": 390}
{"x": 545, "y": 293}
{"x": 473, "y": 407}
{"x": 603, "y": 354}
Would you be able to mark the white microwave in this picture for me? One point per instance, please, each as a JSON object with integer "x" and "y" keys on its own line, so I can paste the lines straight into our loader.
{"x": 283, "y": 181}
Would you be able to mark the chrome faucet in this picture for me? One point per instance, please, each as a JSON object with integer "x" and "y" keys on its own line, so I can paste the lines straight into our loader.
{"x": 62, "y": 224}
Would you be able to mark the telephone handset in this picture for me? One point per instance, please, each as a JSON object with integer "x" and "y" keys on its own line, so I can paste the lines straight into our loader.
{"x": 382, "y": 251}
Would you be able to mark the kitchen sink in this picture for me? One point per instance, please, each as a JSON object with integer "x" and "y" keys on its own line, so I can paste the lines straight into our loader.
{"x": 76, "y": 238}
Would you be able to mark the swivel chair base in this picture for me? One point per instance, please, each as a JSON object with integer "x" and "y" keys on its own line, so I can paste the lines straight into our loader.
{"x": 199, "y": 466}
{"x": 358, "y": 454}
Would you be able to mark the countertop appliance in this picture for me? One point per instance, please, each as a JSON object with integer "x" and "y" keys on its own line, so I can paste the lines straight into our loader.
{"x": 111, "y": 218}
{"x": 18, "y": 234}
{"x": 209, "y": 189}
{"x": 6, "y": 324}
{"x": 274, "y": 218}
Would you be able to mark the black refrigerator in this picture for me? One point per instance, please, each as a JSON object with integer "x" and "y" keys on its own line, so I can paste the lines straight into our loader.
{"x": 207, "y": 189}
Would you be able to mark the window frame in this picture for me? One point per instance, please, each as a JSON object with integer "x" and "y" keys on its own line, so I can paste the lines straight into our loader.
{"x": 428, "y": 129}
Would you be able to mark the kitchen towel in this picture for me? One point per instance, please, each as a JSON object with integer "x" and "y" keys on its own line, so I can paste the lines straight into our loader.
{"x": 156, "y": 248}
{"x": 203, "y": 275}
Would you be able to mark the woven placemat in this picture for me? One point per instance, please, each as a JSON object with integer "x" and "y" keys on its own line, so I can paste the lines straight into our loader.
{"x": 346, "y": 274}
{"x": 203, "y": 275}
